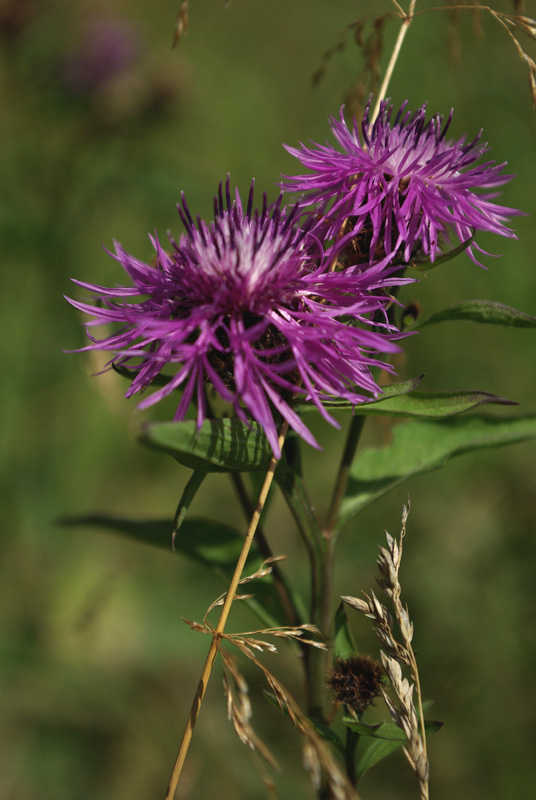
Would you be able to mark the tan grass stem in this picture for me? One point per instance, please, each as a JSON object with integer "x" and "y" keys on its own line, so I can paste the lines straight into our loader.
{"x": 406, "y": 22}
{"x": 207, "y": 669}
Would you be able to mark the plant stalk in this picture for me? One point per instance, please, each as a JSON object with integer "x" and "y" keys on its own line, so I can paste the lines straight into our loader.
{"x": 207, "y": 669}
{"x": 406, "y": 22}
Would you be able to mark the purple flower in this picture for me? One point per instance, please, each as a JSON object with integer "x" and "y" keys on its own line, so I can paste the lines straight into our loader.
{"x": 402, "y": 186}
{"x": 108, "y": 48}
{"x": 246, "y": 304}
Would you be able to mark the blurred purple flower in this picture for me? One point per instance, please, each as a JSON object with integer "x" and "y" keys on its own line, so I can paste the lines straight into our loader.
{"x": 246, "y": 303}
{"x": 108, "y": 48}
{"x": 402, "y": 185}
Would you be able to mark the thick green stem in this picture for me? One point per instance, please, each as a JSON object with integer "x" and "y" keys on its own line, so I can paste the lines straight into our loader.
{"x": 293, "y": 487}
{"x": 352, "y": 739}
{"x": 350, "y": 447}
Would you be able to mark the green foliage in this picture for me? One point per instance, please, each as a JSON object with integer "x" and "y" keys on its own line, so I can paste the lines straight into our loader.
{"x": 376, "y": 742}
{"x": 428, "y": 405}
{"x": 344, "y": 645}
{"x": 488, "y": 312}
{"x": 220, "y": 445}
{"x": 420, "y": 446}
{"x": 425, "y": 264}
{"x": 213, "y": 544}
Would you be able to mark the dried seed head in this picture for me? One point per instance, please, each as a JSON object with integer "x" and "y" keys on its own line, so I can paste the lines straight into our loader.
{"x": 356, "y": 681}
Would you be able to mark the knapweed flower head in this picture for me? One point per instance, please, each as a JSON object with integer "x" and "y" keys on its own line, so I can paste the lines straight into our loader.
{"x": 245, "y": 303}
{"x": 401, "y": 185}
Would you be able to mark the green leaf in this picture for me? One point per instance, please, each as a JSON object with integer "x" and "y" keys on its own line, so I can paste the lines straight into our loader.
{"x": 327, "y": 733}
{"x": 388, "y": 392}
{"x": 423, "y": 263}
{"x": 220, "y": 445}
{"x": 371, "y": 751}
{"x": 384, "y": 730}
{"x": 430, "y": 405}
{"x": 420, "y": 446}
{"x": 209, "y": 543}
{"x": 488, "y": 312}
{"x": 376, "y": 742}
{"x": 190, "y": 491}
{"x": 130, "y": 374}
{"x": 344, "y": 645}
{"x": 387, "y": 730}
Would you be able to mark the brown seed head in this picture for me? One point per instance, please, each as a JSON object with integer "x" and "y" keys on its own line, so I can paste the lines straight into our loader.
{"x": 356, "y": 681}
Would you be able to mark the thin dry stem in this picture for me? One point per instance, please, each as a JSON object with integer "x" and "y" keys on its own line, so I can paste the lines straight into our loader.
{"x": 207, "y": 669}
{"x": 406, "y": 22}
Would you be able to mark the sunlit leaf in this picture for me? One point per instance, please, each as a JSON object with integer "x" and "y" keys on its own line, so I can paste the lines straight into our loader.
{"x": 388, "y": 392}
{"x": 219, "y": 445}
{"x": 488, "y": 312}
{"x": 420, "y": 446}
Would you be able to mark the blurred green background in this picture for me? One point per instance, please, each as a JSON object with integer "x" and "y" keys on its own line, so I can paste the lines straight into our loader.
{"x": 102, "y": 125}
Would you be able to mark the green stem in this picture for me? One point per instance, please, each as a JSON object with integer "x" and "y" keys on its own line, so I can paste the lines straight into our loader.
{"x": 348, "y": 455}
{"x": 293, "y": 487}
{"x": 352, "y": 740}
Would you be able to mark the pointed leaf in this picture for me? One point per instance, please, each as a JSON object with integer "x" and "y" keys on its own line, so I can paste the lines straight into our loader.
{"x": 130, "y": 374}
{"x": 423, "y": 263}
{"x": 388, "y": 392}
{"x": 344, "y": 645}
{"x": 430, "y": 405}
{"x": 209, "y": 543}
{"x": 376, "y": 742}
{"x": 190, "y": 491}
{"x": 371, "y": 751}
{"x": 219, "y": 445}
{"x": 384, "y": 730}
{"x": 485, "y": 311}
{"x": 387, "y": 730}
{"x": 420, "y": 446}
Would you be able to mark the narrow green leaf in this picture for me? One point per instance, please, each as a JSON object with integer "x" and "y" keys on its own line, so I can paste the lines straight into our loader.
{"x": 430, "y": 405}
{"x": 327, "y": 733}
{"x": 384, "y": 730}
{"x": 388, "y": 392}
{"x": 220, "y": 445}
{"x": 129, "y": 374}
{"x": 488, "y": 312}
{"x": 420, "y": 446}
{"x": 387, "y": 730}
{"x": 344, "y": 645}
{"x": 190, "y": 491}
{"x": 424, "y": 264}
{"x": 210, "y": 543}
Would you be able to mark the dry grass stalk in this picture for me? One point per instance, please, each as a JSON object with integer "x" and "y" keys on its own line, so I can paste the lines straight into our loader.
{"x": 181, "y": 24}
{"x": 371, "y": 46}
{"x": 317, "y": 756}
{"x": 227, "y": 603}
{"x": 398, "y": 655}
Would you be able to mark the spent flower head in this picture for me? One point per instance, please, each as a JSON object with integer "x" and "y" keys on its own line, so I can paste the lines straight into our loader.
{"x": 246, "y": 304}
{"x": 401, "y": 185}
